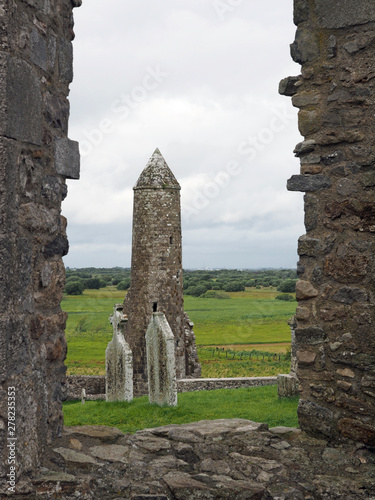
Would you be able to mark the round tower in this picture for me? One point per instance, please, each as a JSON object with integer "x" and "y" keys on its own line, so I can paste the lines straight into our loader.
{"x": 156, "y": 269}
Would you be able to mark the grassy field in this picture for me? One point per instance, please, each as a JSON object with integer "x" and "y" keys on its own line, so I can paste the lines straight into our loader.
{"x": 250, "y": 317}
{"x": 224, "y": 362}
{"x": 244, "y": 322}
{"x": 259, "y": 404}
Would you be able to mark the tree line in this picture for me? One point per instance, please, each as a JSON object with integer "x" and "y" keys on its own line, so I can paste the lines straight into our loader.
{"x": 197, "y": 283}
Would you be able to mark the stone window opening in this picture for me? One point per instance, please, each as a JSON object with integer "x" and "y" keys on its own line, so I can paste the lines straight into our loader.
{"x": 171, "y": 240}
{"x": 154, "y": 307}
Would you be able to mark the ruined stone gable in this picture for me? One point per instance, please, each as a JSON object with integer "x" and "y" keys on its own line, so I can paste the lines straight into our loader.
{"x": 335, "y": 44}
{"x": 35, "y": 159}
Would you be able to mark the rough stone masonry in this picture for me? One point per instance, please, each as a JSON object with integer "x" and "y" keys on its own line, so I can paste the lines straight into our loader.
{"x": 35, "y": 159}
{"x": 335, "y": 43}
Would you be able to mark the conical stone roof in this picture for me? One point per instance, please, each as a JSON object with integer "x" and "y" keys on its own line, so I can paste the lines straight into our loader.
{"x": 157, "y": 174}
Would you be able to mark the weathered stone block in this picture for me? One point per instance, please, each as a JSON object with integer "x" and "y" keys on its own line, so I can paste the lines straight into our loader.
{"x": 51, "y": 53}
{"x": 305, "y": 290}
{"x": 65, "y": 60}
{"x": 161, "y": 365}
{"x": 365, "y": 362}
{"x": 308, "y": 121}
{"x": 42, "y": 5}
{"x": 56, "y": 111}
{"x": 369, "y": 179}
{"x": 305, "y": 47}
{"x": 67, "y": 158}
{"x": 346, "y": 187}
{"x": 355, "y": 405}
{"x": 300, "y": 11}
{"x": 303, "y": 313}
{"x": 304, "y": 99}
{"x": 357, "y": 431}
{"x": 306, "y": 357}
{"x": 336, "y": 136}
{"x": 345, "y": 372}
{"x": 348, "y": 295}
{"x": 39, "y": 218}
{"x": 334, "y": 14}
{"x": 287, "y": 86}
{"x": 309, "y": 246}
{"x": 304, "y": 147}
{"x": 311, "y": 160}
{"x": 312, "y": 335}
{"x": 348, "y": 269}
{"x": 287, "y": 386}
{"x": 314, "y": 419}
{"x": 38, "y": 49}
{"x": 58, "y": 246}
{"x": 21, "y": 106}
{"x": 308, "y": 183}
{"x": 311, "y": 212}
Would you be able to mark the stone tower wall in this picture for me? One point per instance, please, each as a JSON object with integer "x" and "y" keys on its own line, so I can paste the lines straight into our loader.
{"x": 35, "y": 159}
{"x": 335, "y": 43}
{"x": 156, "y": 281}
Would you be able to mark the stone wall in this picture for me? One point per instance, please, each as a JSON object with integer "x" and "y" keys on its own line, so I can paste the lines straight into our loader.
{"x": 95, "y": 385}
{"x": 35, "y": 159}
{"x": 335, "y": 44}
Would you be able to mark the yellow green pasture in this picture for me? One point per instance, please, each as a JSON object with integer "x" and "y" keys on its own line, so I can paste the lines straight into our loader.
{"x": 246, "y": 319}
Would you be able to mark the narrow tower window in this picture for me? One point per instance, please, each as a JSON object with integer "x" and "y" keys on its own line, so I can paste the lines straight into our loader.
{"x": 171, "y": 240}
{"x": 154, "y": 307}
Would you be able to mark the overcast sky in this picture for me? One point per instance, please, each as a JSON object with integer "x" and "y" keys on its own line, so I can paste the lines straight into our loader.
{"x": 198, "y": 79}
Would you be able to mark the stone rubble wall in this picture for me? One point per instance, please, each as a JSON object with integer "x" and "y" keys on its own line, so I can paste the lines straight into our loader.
{"x": 335, "y": 44}
{"x": 218, "y": 459}
{"x": 95, "y": 385}
{"x": 35, "y": 159}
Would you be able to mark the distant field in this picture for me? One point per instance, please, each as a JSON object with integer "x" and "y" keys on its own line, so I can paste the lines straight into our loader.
{"x": 244, "y": 322}
{"x": 250, "y": 317}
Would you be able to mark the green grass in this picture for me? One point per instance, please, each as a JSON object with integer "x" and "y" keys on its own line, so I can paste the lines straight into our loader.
{"x": 88, "y": 329}
{"x": 259, "y": 404}
{"x": 250, "y": 317}
{"x": 222, "y": 363}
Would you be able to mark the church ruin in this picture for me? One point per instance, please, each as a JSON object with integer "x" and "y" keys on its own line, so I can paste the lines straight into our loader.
{"x": 335, "y": 43}
{"x": 36, "y": 157}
